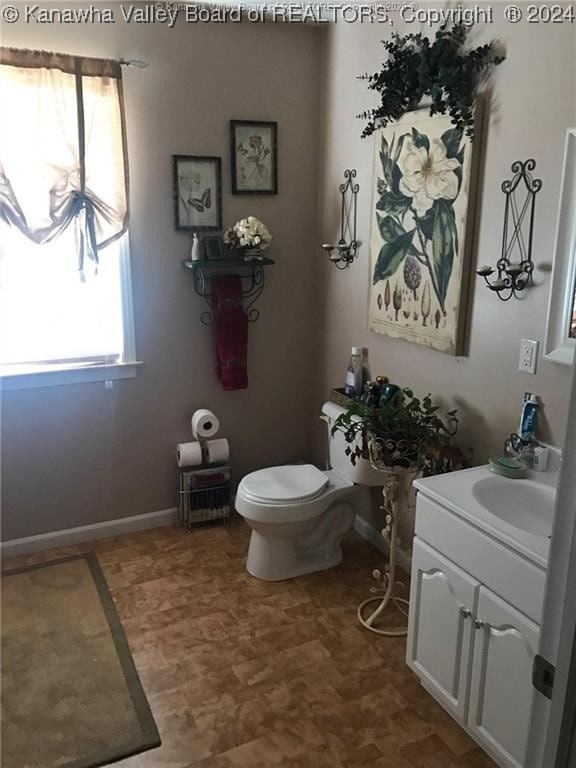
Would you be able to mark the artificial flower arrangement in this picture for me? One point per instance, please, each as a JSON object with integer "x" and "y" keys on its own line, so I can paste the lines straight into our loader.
{"x": 248, "y": 235}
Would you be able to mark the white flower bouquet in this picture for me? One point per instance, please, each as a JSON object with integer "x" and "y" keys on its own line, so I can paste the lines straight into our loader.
{"x": 248, "y": 234}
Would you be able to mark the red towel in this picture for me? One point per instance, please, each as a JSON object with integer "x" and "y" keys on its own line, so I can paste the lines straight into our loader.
{"x": 231, "y": 325}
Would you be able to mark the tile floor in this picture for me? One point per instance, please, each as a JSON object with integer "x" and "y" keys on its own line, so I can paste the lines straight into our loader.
{"x": 241, "y": 673}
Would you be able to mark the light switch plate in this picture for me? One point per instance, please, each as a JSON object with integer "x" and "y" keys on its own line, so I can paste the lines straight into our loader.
{"x": 528, "y": 356}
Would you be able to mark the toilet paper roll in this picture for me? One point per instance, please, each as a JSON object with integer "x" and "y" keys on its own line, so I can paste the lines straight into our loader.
{"x": 204, "y": 423}
{"x": 189, "y": 454}
{"x": 217, "y": 451}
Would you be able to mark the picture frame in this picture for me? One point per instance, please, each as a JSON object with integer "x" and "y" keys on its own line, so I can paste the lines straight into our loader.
{"x": 254, "y": 157}
{"x": 197, "y": 186}
{"x": 422, "y": 230}
{"x": 213, "y": 247}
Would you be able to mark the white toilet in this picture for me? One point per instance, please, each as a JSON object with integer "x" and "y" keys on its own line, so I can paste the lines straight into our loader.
{"x": 299, "y": 514}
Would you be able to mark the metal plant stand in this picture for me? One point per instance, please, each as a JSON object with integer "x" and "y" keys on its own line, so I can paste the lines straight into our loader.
{"x": 391, "y": 485}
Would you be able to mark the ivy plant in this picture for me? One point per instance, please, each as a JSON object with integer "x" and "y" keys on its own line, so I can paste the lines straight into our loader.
{"x": 441, "y": 70}
{"x": 407, "y": 427}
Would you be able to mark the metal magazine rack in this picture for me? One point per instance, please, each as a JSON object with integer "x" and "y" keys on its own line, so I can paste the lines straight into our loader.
{"x": 204, "y": 496}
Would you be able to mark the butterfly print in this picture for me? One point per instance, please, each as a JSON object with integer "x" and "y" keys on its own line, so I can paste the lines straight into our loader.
{"x": 201, "y": 203}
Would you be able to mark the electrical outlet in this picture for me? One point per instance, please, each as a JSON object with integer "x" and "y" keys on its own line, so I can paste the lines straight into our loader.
{"x": 528, "y": 356}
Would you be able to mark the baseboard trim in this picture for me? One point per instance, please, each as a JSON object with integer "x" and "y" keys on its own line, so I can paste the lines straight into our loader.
{"x": 375, "y": 538}
{"x": 84, "y": 533}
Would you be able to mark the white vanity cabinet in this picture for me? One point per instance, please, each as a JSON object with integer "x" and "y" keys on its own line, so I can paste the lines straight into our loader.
{"x": 468, "y": 641}
{"x": 501, "y": 691}
{"x": 439, "y": 636}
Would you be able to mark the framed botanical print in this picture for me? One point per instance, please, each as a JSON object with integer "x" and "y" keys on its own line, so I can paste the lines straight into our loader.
{"x": 422, "y": 230}
{"x": 254, "y": 157}
{"x": 197, "y": 192}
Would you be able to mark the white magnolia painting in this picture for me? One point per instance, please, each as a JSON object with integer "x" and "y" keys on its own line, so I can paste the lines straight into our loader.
{"x": 420, "y": 231}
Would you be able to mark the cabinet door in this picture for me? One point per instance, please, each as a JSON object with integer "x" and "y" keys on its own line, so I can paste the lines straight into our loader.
{"x": 439, "y": 631}
{"x": 501, "y": 692}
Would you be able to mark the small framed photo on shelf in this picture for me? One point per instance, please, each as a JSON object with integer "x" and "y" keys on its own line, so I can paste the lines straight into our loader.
{"x": 197, "y": 192}
{"x": 213, "y": 247}
{"x": 254, "y": 158}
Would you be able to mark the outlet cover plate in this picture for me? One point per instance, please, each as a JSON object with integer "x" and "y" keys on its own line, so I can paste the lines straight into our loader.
{"x": 528, "y": 360}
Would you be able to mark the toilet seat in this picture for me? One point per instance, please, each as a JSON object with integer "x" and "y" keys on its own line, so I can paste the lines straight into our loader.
{"x": 292, "y": 484}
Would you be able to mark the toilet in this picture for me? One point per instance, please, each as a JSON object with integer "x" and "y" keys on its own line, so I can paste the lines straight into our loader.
{"x": 299, "y": 514}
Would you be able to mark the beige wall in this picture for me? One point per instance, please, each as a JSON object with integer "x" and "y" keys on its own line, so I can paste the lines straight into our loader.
{"x": 533, "y": 103}
{"x": 82, "y": 454}
{"x": 74, "y": 455}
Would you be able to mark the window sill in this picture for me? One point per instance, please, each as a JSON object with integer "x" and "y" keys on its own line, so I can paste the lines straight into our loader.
{"x": 30, "y": 376}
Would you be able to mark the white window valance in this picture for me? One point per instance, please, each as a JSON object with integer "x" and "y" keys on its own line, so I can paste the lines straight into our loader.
{"x": 63, "y": 160}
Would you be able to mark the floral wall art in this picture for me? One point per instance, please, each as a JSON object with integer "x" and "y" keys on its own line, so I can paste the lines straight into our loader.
{"x": 421, "y": 231}
{"x": 254, "y": 157}
{"x": 197, "y": 189}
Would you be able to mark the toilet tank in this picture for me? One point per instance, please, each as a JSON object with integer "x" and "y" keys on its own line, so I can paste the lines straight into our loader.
{"x": 360, "y": 473}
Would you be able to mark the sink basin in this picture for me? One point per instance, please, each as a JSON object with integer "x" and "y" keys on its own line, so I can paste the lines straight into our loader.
{"x": 524, "y": 504}
{"x": 517, "y": 513}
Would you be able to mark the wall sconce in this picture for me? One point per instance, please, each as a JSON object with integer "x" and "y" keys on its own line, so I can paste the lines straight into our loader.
{"x": 513, "y": 277}
{"x": 343, "y": 253}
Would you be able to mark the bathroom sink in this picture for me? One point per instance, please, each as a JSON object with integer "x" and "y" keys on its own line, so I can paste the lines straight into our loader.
{"x": 519, "y": 513}
{"x": 524, "y": 504}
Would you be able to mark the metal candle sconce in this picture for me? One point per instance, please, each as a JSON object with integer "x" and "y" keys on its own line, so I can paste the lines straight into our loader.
{"x": 513, "y": 277}
{"x": 343, "y": 253}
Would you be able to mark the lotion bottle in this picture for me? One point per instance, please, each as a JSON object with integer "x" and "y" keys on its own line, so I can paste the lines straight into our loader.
{"x": 353, "y": 381}
{"x": 195, "y": 249}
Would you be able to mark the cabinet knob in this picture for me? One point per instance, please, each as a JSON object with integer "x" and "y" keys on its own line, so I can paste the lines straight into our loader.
{"x": 464, "y": 612}
{"x": 478, "y": 624}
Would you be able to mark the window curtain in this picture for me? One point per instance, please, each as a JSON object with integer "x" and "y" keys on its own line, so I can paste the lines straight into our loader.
{"x": 63, "y": 160}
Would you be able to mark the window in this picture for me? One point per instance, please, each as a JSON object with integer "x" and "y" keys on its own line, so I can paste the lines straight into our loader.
{"x": 49, "y": 318}
{"x": 65, "y": 299}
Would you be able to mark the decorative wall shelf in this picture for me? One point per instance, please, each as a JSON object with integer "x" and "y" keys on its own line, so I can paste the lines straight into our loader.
{"x": 250, "y": 270}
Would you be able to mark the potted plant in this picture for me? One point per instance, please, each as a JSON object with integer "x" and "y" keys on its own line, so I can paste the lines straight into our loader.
{"x": 400, "y": 436}
{"x": 401, "y": 433}
{"x": 444, "y": 70}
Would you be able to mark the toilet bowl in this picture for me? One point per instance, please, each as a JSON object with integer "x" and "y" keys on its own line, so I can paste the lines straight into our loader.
{"x": 291, "y": 534}
{"x": 299, "y": 514}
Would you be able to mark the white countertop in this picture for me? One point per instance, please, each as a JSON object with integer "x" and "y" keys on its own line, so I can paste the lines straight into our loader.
{"x": 455, "y": 491}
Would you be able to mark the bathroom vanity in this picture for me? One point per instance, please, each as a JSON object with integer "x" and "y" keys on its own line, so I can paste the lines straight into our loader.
{"x": 478, "y": 576}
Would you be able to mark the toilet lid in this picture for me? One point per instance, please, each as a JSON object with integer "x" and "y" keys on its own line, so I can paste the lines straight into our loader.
{"x": 282, "y": 485}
